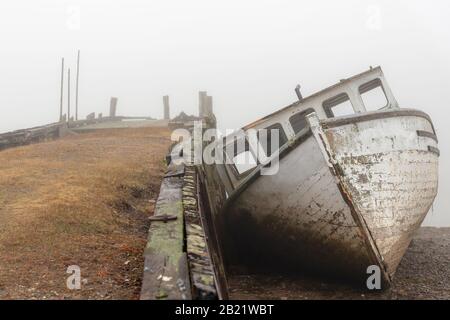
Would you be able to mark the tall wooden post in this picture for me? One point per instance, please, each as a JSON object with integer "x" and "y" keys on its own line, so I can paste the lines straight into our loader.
{"x": 76, "y": 88}
{"x": 201, "y": 103}
{"x": 68, "y": 95}
{"x": 62, "y": 92}
{"x": 113, "y": 107}
{"x": 166, "y": 108}
{"x": 208, "y": 107}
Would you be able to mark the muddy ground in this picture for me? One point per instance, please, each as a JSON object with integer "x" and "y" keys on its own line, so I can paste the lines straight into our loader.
{"x": 83, "y": 200}
{"x": 424, "y": 273}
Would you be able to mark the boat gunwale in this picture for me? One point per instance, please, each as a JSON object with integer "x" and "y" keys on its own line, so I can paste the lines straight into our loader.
{"x": 427, "y": 134}
{"x": 375, "y": 115}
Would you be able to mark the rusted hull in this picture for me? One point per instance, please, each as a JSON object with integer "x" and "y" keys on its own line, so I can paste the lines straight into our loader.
{"x": 349, "y": 196}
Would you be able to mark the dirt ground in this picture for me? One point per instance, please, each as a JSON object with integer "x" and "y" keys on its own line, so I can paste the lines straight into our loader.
{"x": 82, "y": 200}
{"x": 424, "y": 273}
{"x": 85, "y": 200}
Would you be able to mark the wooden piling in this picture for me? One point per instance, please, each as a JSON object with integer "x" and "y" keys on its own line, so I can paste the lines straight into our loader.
{"x": 68, "y": 95}
{"x": 76, "y": 88}
{"x": 113, "y": 107}
{"x": 166, "y": 108}
{"x": 62, "y": 92}
{"x": 201, "y": 103}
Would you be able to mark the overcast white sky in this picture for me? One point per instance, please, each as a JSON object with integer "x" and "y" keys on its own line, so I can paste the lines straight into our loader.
{"x": 248, "y": 55}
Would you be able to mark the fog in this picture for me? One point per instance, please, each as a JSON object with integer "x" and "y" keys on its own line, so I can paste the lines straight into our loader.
{"x": 249, "y": 55}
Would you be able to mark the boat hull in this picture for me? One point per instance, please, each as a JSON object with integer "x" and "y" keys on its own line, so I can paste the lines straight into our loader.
{"x": 296, "y": 218}
{"x": 389, "y": 169}
{"x": 348, "y": 197}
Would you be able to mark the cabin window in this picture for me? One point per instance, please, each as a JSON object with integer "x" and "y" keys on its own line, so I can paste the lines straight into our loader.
{"x": 338, "y": 106}
{"x": 242, "y": 158}
{"x": 244, "y": 162}
{"x": 298, "y": 120}
{"x": 267, "y": 143}
{"x": 373, "y": 96}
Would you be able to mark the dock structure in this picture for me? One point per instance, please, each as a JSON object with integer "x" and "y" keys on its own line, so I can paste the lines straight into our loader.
{"x": 68, "y": 123}
{"x": 165, "y": 265}
{"x": 182, "y": 260}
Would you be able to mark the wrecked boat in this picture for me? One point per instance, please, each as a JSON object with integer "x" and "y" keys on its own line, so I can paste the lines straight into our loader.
{"x": 356, "y": 177}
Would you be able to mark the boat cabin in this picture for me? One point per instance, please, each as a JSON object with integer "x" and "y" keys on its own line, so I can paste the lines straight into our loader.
{"x": 245, "y": 154}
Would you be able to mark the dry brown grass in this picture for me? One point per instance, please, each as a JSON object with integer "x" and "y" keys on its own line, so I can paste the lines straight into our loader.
{"x": 82, "y": 200}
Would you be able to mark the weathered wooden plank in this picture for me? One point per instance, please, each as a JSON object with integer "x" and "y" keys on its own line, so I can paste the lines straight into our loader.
{"x": 165, "y": 271}
{"x": 199, "y": 258}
